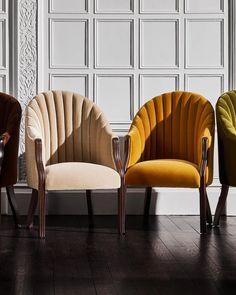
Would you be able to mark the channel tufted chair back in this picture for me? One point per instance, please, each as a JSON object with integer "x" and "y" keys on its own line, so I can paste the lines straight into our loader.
{"x": 171, "y": 126}
{"x": 69, "y": 146}
{"x": 170, "y": 144}
{"x": 72, "y": 128}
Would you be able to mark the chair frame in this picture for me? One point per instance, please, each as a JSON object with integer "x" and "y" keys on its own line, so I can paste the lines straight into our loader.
{"x": 221, "y": 204}
{"x": 205, "y": 211}
{"x": 10, "y": 191}
{"x": 40, "y": 193}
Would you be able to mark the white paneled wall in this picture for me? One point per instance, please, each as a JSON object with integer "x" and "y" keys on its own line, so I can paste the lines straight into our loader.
{"x": 4, "y": 39}
{"x": 122, "y": 53}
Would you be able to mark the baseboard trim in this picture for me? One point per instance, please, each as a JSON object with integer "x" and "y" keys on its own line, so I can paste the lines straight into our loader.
{"x": 165, "y": 201}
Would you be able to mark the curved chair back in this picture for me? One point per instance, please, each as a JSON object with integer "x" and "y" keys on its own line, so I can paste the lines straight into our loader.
{"x": 226, "y": 125}
{"x": 171, "y": 126}
{"x": 10, "y": 117}
{"x": 72, "y": 129}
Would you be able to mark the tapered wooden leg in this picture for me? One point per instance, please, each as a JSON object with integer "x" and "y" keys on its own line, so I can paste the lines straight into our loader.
{"x": 208, "y": 211}
{"x": 12, "y": 201}
{"x": 121, "y": 208}
{"x": 42, "y": 209}
{"x": 0, "y": 205}
{"x": 221, "y": 204}
{"x": 202, "y": 191}
{"x": 147, "y": 201}
{"x": 90, "y": 206}
{"x": 32, "y": 208}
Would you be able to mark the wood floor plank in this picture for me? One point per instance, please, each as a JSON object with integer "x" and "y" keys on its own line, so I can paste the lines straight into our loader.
{"x": 164, "y": 255}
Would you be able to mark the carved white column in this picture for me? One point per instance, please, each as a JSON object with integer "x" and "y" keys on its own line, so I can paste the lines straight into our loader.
{"x": 27, "y": 64}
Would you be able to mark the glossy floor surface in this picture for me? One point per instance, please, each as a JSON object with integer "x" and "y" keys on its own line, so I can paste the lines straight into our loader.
{"x": 165, "y": 256}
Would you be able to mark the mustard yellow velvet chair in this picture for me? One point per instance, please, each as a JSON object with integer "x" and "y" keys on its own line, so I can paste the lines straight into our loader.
{"x": 170, "y": 144}
{"x": 69, "y": 146}
{"x": 226, "y": 126}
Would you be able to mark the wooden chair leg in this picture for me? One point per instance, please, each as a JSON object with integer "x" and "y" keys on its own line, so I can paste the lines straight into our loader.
{"x": 0, "y": 205}
{"x": 147, "y": 201}
{"x": 12, "y": 201}
{"x": 202, "y": 192}
{"x": 121, "y": 208}
{"x": 32, "y": 208}
{"x": 42, "y": 213}
{"x": 208, "y": 211}
{"x": 90, "y": 206}
{"x": 221, "y": 204}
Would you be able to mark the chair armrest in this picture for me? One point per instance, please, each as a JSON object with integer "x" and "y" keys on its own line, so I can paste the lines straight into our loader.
{"x": 1, "y": 151}
{"x": 39, "y": 163}
{"x": 204, "y": 159}
{"x": 121, "y": 162}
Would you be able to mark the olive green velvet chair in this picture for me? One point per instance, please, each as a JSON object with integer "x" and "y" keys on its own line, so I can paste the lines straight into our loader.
{"x": 226, "y": 124}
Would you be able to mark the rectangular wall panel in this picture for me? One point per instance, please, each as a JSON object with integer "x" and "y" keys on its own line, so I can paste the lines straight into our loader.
{"x": 114, "y": 94}
{"x": 153, "y": 85}
{"x": 159, "y": 42}
{"x": 116, "y": 50}
{"x": 2, "y": 44}
{"x": 204, "y": 6}
{"x": 159, "y": 6}
{"x": 204, "y": 43}
{"x": 68, "y": 43}
{"x": 114, "y": 6}
{"x": 2, "y": 83}
{"x": 2, "y": 6}
{"x": 75, "y": 83}
{"x": 68, "y": 6}
{"x": 210, "y": 86}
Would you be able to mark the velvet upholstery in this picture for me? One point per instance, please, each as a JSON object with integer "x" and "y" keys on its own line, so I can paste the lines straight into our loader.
{"x": 226, "y": 123}
{"x": 166, "y": 138}
{"x": 72, "y": 129}
{"x": 10, "y": 117}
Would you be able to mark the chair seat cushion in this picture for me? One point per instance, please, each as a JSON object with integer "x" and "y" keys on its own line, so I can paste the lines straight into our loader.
{"x": 163, "y": 173}
{"x": 80, "y": 175}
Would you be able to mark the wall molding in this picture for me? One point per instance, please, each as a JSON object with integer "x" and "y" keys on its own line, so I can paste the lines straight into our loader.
{"x": 27, "y": 64}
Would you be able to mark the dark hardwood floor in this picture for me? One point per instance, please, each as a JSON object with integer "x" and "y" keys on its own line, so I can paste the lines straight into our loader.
{"x": 165, "y": 256}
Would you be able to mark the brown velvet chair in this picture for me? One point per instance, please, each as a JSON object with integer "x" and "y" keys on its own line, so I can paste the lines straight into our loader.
{"x": 69, "y": 146}
{"x": 10, "y": 117}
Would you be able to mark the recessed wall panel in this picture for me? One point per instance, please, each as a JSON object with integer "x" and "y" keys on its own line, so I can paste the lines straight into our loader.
{"x": 159, "y": 6}
{"x": 2, "y": 83}
{"x": 204, "y": 43}
{"x": 2, "y": 6}
{"x": 69, "y": 43}
{"x": 114, "y": 6}
{"x": 159, "y": 44}
{"x": 114, "y": 44}
{"x": 2, "y": 44}
{"x": 204, "y": 6}
{"x": 210, "y": 86}
{"x": 68, "y": 6}
{"x": 154, "y": 85}
{"x": 114, "y": 94}
{"x": 74, "y": 83}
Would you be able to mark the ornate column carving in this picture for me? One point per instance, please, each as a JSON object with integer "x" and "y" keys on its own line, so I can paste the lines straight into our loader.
{"x": 27, "y": 64}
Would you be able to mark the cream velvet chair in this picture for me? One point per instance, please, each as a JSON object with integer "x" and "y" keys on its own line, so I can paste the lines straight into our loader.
{"x": 69, "y": 146}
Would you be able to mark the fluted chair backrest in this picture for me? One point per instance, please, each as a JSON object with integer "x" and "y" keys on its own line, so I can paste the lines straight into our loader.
{"x": 226, "y": 123}
{"x": 171, "y": 126}
{"x": 71, "y": 127}
{"x": 10, "y": 117}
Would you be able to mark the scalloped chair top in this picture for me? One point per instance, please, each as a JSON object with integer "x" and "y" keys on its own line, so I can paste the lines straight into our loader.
{"x": 171, "y": 126}
{"x": 71, "y": 126}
